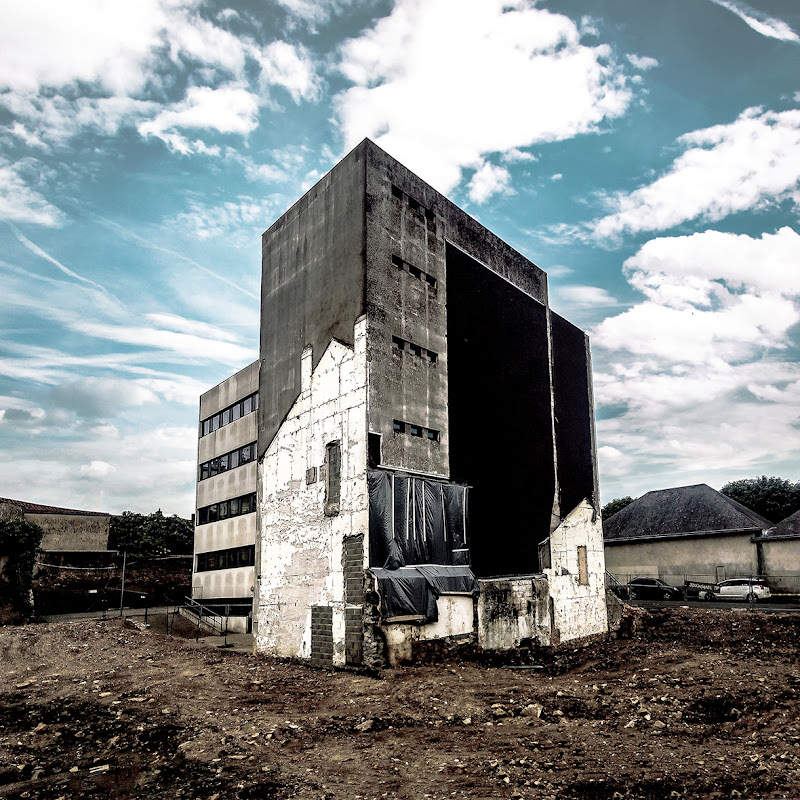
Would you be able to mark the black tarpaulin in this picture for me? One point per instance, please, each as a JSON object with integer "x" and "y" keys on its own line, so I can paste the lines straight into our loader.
{"x": 412, "y": 591}
{"x": 405, "y": 593}
{"x": 449, "y": 580}
{"x": 416, "y": 520}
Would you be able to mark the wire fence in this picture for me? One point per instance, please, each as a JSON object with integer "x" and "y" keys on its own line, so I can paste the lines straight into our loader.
{"x": 778, "y": 589}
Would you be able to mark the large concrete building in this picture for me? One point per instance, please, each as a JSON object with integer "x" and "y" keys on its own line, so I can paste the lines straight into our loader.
{"x": 426, "y": 461}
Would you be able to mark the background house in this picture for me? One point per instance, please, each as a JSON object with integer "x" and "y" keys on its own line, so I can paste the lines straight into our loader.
{"x": 65, "y": 529}
{"x": 689, "y": 532}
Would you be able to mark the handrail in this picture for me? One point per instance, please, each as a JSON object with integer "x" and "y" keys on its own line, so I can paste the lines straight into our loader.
{"x": 203, "y": 611}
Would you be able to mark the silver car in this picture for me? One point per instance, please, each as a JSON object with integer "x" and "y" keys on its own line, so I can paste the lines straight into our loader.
{"x": 750, "y": 590}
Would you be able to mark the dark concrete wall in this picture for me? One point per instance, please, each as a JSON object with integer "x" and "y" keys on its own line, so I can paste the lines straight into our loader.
{"x": 402, "y": 385}
{"x": 574, "y": 415}
{"x": 312, "y": 284}
{"x": 416, "y": 226}
{"x": 501, "y": 439}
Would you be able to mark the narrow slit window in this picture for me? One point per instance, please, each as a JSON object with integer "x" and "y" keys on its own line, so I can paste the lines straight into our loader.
{"x": 333, "y": 474}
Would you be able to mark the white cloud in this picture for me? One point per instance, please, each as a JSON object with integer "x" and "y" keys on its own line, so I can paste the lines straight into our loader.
{"x": 97, "y": 469}
{"x": 701, "y": 368}
{"x": 748, "y": 164}
{"x": 560, "y": 87}
{"x": 102, "y": 64}
{"x": 229, "y": 109}
{"x": 291, "y": 67}
{"x": 586, "y": 296}
{"x": 642, "y": 62}
{"x": 759, "y": 21}
{"x": 20, "y": 203}
{"x": 244, "y": 219}
{"x": 488, "y": 181}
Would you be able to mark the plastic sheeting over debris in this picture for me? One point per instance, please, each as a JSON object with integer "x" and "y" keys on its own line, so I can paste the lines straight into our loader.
{"x": 412, "y": 591}
{"x": 416, "y": 521}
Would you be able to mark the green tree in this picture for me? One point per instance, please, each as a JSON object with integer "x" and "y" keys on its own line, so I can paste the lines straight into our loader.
{"x": 773, "y": 498}
{"x": 19, "y": 541}
{"x": 611, "y": 508}
{"x": 151, "y": 534}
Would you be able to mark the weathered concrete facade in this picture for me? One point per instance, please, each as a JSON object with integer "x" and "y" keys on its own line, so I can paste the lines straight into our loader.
{"x": 402, "y": 341}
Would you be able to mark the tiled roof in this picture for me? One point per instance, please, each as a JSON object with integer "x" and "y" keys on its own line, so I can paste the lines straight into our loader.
{"x": 682, "y": 510}
{"x": 38, "y": 508}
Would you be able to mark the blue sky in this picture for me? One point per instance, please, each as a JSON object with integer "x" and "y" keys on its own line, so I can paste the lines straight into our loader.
{"x": 645, "y": 153}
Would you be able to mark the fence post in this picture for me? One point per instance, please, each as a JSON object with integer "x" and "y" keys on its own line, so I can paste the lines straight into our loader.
{"x": 122, "y": 585}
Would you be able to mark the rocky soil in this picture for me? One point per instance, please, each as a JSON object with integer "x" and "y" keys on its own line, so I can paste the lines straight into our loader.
{"x": 695, "y": 703}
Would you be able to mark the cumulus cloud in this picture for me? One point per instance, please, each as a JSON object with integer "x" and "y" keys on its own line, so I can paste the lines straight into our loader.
{"x": 760, "y": 22}
{"x": 60, "y": 75}
{"x": 701, "y": 370}
{"x": 291, "y": 67}
{"x": 487, "y": 181}
{"x": 560, "y": 86}
{"x": 745, "y": 165}
{"x": 228, "y": 109}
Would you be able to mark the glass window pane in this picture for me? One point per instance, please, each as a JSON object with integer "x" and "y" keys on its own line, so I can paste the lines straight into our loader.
{"x": 233, "y": 459}
{"x": 223, "y": 463}
{"x": 234, "y": 507}
{"x": 236, "y": 411}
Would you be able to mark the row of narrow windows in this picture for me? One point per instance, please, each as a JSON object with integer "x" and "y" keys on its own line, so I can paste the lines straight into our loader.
{"x": 414, "y": 205}
{"x": 398, "y": 426}
{"x": 415, "y": 272}
{"x": 239, "y": 409}
{"x": 227, "y": 559}
{"x": 242, "y": 455}
{"x": 234, "y": 507}
{"x": 401, "y": 345}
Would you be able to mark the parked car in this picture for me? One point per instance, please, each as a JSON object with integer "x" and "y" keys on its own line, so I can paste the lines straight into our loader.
{"x": 750, "y": 590}
{"x": 652, "y": 589}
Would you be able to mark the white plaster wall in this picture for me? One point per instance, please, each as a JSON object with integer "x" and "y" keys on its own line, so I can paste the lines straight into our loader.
{"x": 456, "y": 614}
{"x": 578, "y": 610}
{"x": 300, "y": 547}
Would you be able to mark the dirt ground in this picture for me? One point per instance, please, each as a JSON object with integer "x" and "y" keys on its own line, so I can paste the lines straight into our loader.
{"x": 695, "y": 704}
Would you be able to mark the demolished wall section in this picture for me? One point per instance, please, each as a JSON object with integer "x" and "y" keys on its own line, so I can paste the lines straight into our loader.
{"x": 302, "y": 535}
{"x": 577, "y": 575}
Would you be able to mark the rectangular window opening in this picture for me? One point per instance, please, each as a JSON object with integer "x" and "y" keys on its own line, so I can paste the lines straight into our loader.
{"x": 374, "y": 448}
{"x": 398, "y": 426}
{"x": 333, "y": 473}
{"x": 413, "y": 204}
{"x": 397, "y": 191}
{"x": 398, "y": 343}
{"x": 583, "y": 566}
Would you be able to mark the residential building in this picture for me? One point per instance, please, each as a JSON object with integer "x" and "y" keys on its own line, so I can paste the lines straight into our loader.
{"x": 685, "y": 533}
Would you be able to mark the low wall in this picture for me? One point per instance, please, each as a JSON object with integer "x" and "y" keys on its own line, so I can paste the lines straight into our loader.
{"x": 456, "y": 619}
